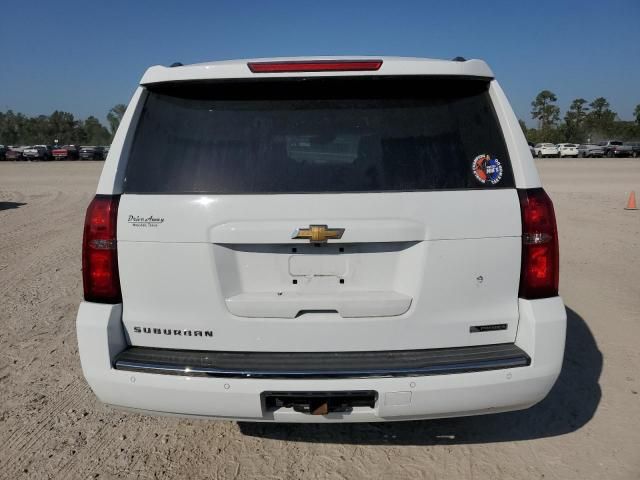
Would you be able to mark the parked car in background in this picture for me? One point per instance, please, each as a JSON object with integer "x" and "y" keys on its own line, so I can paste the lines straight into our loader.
{"x": 635, "y": 149}
{"x": 590, "y": 150}
{"x": 567, "y": 150}
{"x": 92, "y": 153}
{"x": 14, "y": 153}
{"x": 615, "y": 148}
{"x": 37, "y": 152}
{"x": 3, "y": 151}
{"x": 30, "y": 153}
{"x": 67, "y": 152}
{"x": 533, "y": 153}
{"x": 545, "y": 150}
{"x": 106, "y": 150}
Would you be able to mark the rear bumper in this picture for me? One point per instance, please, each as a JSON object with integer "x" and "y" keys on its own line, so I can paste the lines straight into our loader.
{"x": 541, "y": 334}
{"x": 320, "y": 365}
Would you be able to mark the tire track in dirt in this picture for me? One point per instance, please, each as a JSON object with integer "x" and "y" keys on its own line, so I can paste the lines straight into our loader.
{"x": 35, "y": 432}
{"x": 44, "y": 245}
{"x": 21, "y": 436}
{"x": 104, "y": 449}
{"x": 34, "y": 245}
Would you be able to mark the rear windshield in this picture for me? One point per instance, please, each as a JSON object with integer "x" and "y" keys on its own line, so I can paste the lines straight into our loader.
{"x": 318, "y": 135}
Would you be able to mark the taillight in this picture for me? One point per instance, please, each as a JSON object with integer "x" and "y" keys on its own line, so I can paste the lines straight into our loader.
{"x": 540, "y": 259}
{"x": 315, "y": 66}
{"x": 100, "y": 276}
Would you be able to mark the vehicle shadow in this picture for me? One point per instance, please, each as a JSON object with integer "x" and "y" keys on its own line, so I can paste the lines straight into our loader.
{"x": 10, "y": 205}
{"x": 570, "y": 405}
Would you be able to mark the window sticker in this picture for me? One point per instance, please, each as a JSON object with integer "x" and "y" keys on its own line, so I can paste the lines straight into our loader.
{"x": 487, "y": 169}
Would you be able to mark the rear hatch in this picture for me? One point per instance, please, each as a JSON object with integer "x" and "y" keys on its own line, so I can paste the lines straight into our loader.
{"x": 319, "y": 214}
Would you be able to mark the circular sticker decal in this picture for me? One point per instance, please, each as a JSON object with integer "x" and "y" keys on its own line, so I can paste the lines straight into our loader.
{"x": 487, "y": 169}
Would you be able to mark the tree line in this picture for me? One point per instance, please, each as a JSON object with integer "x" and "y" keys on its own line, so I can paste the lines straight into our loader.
{"x": 584, "y": 121}
{"x": 20, "y": 129}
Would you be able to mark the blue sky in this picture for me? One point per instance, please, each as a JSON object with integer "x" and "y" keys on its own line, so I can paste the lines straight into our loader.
{"x": 84, "y": 57}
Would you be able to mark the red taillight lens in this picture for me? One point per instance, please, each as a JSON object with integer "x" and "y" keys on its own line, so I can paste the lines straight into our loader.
{"x": 100, "y": 276}
{"x": 315, "y": 66}
{"x": 540, "y": 259}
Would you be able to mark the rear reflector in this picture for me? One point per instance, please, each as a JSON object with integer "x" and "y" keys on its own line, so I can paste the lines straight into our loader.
{"x": 315, "y": 66}
{"x": 100, "y": 276}
{"x": 540, "y": 260}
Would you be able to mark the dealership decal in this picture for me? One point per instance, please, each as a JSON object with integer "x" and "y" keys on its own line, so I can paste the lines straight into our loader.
{"x": 487, "y": 169}
{"x": 150, "y": 221}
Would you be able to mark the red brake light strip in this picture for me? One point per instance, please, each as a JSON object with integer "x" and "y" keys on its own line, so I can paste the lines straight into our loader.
{"x": 315, "y": 66}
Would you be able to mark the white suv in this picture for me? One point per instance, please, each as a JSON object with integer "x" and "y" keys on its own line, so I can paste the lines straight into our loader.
{"x": 318, "y": 240}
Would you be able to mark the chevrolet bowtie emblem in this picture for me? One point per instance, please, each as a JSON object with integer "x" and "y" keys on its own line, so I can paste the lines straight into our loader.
{"x": 318, "y": 233}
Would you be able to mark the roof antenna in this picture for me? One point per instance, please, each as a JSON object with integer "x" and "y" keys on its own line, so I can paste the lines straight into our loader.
{"x": 459, "y": 59}
{"x": 175, "y": 64}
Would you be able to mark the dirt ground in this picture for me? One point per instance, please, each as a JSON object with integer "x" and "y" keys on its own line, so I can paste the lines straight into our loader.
{"x": 51, "y": 425}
